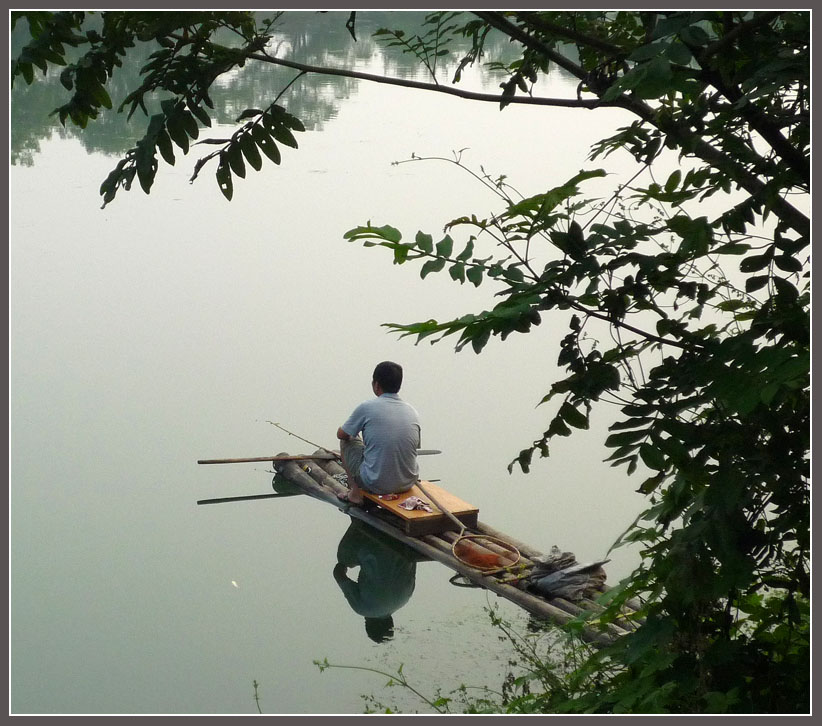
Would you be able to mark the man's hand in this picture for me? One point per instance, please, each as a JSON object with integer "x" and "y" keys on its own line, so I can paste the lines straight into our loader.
{"x": 342, "y": 436}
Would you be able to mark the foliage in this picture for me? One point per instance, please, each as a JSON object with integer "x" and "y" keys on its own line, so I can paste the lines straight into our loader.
{"x": 710, "y": 367}
{"x": 427, "y": 48}
{"x": 544, "y": 670}
{"x": 438, "y": 703}
{"x": 685, "y": 288}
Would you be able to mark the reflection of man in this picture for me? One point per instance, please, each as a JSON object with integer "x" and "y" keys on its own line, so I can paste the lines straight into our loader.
{"x": 384, "y": 461}
{"x": 386, "y": 579}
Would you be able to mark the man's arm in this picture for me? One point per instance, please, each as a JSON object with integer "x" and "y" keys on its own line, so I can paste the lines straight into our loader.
{"x": 342, "y": 436}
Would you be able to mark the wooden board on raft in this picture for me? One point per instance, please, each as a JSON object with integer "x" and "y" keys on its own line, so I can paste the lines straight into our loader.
{"x": 416, "y": 522}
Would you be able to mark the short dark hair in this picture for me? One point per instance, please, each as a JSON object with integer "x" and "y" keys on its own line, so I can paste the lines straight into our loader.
{"x": 389, "y": 375}
{"x": 380, "y": 629}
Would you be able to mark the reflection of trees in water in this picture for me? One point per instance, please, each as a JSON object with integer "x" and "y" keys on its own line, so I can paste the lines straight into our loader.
{"x": 313, "y": 38}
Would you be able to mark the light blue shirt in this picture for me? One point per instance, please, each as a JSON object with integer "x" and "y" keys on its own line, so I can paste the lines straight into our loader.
{"x": 390, "y": 431}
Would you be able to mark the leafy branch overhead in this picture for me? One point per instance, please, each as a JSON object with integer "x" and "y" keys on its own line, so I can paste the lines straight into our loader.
{"x": 178, "y": 77}
{"x": 684, "y": 289}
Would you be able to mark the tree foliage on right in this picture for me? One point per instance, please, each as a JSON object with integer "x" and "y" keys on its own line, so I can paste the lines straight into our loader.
{"x": 686, "y": 297}
{"x": 705, "y": 345}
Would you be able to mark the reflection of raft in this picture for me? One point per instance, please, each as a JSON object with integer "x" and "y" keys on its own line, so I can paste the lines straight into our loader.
{"x": 553, "y": 587}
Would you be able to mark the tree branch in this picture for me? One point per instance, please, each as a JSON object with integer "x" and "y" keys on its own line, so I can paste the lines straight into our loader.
{"x": 735, "y": 32}
{"x": 540, "y": 23}
{"x": 700, "y": 148}
{"x": 407, "y": 83}
{"x": 501, "y": 23}
{"x": 756, "y": 118}
{"x": 619, "y": 324}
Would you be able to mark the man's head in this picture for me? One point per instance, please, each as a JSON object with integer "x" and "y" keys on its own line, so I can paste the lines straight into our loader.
{"x": 380, "y": 629}
{"x": 388, "y": 376}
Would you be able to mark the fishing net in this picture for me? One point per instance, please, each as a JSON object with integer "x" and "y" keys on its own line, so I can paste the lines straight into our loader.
{"x": 484, "y": 552}
{"x": 481, "y": 551}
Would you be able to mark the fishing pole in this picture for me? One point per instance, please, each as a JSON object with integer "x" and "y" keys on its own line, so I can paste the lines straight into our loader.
{"x": 291, "y": 433}
{"x": 297, "y": 457}
{"x": 420, "y": 452}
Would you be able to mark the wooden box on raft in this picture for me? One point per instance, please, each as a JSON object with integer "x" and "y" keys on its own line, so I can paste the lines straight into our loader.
{"x": 416, "y": 522}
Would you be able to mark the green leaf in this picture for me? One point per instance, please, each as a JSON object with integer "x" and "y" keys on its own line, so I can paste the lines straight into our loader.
{"x": 249, "y": 113}
{"x": 431, "y": 266}
{"x": 177, "y": 132}
{"x": 752, "y": 284}
{"x": 387, "y": 232}
{"x": 190, "y": 124}
{"x": 785, "y": 289}
{"x": 165, "y": 146}
{"x": 656, "y": 80}
{"x": 266, "y": 143}
{"x": 694, "y": 35}
{"x": 234, "y": 155}
{"x": 679, "y": 53}
{"x": 575, "y": 233}
{"x": 558, "y": 427}
{"x": 625, "y": 437}
{"x": 27, "y": 70}
{"x": 652, "y": 457}
{"x": 573, "y": 416}
{"x": 200, "y": 113}
{"x": 445, "y": 246}
{"x": 425, "y": 242}
{"x": 479, "y": 341}
{"x": 514, "y": 273}
{"x": 731, "y": 305}
{"x": 673, "y": 181}
{"x": 631, "y": 423}
{"x": 651, "y": 483}
{"x": 524, "y": 460}
{"x": 146, "y": 166}
{"x": 100, "y": 95}
{"x": 252, "y": 155}
{"x": 284, "y": 136}
{"x": 474, "y": 275}
{"x": 400, "y": 253}
{"x": 647, "y": 52}
{"x": 224, "y": 178}
{"x": 696, "y": 234}
{"x": 733, "y": 248}
{"x": 457, "y": 271}
{"x": 467, "y": 252}
{"x": 755, "y": 263}
{"x": 788, "y": 263}
{"x": 293, "y": 122}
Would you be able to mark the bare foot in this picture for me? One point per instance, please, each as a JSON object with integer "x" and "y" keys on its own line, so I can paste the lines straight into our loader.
{"x": 350, "y": 497}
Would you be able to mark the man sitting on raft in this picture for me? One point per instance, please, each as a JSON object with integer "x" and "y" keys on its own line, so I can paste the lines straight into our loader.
{"x": 384, "y": 460}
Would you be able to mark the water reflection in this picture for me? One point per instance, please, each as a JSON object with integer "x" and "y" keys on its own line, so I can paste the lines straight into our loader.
{"x": 386, "y": 578}
{"x": 313, "y": 38}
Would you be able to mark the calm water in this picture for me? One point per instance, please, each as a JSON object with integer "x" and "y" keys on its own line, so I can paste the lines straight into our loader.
{"x": 173, "y": 327}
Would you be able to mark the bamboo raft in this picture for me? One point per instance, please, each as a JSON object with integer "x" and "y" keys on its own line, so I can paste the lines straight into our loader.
{"x": 314, "y": 475}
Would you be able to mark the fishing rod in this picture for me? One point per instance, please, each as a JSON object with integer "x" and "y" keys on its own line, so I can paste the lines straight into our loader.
{"x": 291, "y": 433}
{"x": 323, "y": 455}
{"x": 329, "y": 456}
{"x": 420, "y": 452}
